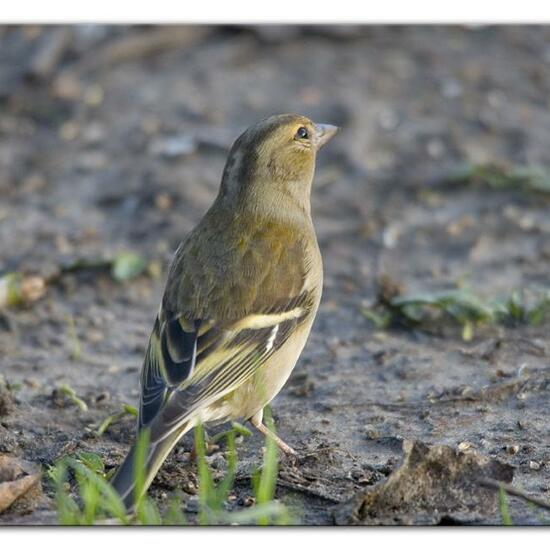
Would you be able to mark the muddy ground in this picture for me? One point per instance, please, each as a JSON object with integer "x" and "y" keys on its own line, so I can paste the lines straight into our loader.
{"x": 115, "y": 138}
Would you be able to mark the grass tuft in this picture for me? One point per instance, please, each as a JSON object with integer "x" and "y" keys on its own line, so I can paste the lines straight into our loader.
{"x": 462, "y": 307}
{"x": 96, "y": 502}
{"x": 500, "y": 176}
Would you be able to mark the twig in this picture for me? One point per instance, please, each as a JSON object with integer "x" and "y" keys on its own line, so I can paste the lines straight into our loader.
{"x": 53, "y": 46}
{"x": 295, "y": 487}
{"x": 513, "y": 491}
{"x": 307, "y": 491}
{"x": 140, "y": 45}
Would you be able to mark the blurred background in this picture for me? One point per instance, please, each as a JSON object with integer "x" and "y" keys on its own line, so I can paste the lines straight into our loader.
{"x": 112, "y": 144}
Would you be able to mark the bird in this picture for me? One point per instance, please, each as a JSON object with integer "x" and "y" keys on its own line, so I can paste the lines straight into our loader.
{"x": 241, "y": 296}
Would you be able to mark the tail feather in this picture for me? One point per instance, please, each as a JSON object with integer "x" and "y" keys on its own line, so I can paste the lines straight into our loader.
{"x": 124, "y": 480}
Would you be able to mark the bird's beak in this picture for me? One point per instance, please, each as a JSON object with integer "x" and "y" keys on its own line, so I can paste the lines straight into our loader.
{"x": 324, "y": 133}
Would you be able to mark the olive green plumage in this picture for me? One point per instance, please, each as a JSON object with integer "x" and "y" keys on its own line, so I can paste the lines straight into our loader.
{"x": 241, "y": 295}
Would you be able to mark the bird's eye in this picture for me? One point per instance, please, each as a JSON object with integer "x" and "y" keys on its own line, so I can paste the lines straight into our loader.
{"x": 302, "y": 133}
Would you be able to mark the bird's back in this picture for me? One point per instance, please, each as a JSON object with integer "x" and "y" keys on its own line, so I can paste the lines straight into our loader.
{"x": 234, "y": 276}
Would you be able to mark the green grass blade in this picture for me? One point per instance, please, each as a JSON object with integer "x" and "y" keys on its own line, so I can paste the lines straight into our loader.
{"x": 503, "y": 507}
{"x": 206, "y": 484}
{"x": 110, "y": 500}
{"x": 140, "y": 459}
{"x": 174, "y": 514}
{"x": 265, "y": 488}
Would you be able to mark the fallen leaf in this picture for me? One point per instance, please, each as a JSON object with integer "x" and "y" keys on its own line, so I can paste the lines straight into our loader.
{"x": 19, "y": 481}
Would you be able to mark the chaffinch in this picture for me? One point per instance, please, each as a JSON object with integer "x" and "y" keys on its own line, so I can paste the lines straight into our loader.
{"x": 241, "y": 296}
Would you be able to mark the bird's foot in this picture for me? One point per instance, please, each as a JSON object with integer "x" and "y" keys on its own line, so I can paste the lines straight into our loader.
{"x": 287, "y": 449}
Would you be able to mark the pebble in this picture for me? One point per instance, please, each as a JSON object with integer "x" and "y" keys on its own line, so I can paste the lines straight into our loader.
{"x": 67, "y": 87}
{"x": 388, "y": 119}
{"x": 467, "y": 391}
{"x": 522, "y": 369}
{"x": 173, "y": 147}
{"x": 390, "y": 236}
{"x": 69, "y": 131}
{"x": 451, "y": 88}
{"x": 94, "y": 336}
{"x": 465, "y": 445}
{"x": 163, "y": 201}
{"x": 534, "y": 465}
{"x": 246, "y": 501}
{"x": 435, "y": 148}
{"x": 32, "y": 383}
{"x": 93, "y": 95}
{"x": 217, "y": 461}
{"x": 192, "y": 504}
{"x": 94, "y": 133}
{"x": 103, "y": 397}
{"x": 512, "y": 449}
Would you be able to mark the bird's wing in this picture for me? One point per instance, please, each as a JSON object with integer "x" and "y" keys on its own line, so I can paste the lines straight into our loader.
{"x": 193, "y": 363}
{"x": 169, "y": 360}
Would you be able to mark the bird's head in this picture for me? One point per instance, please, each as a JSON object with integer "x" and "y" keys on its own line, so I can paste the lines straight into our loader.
{"x": 275, "y": 159}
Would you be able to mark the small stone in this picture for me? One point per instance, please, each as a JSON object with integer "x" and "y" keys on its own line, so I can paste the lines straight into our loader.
{"x": 173, "y": 147}
{"x": 94, "y": 133}
{"x": 435, "y": 148}
{"x": 190, "y": 488}
{"x": 150, "y": 125}
{"x": 32, "y": 383}
{"x": 534, "y": 465}
{"x": 67, "y": 87}
{"x": 246, "y": 501}
{"x": 163, "y": 201}
{"x": 34, "y": 182}
{"x": 465, "y": 445}
{"x": 94, "y": 336}
{"x": 451, "y": 88}
{"x": 467, "y": 392}
{"x": 69, "y": 131}
{"x": 154, "y": 269}
{"x": 390, "y": 236}
{"x": 217, "y": 461}
{"x": 522, "y": 396}
{"x": 523, "y": 425}
{"x": 93, "y": 96}
{"x": 355, "y": 474}
{"x": 103, "y": 397}
{"x": 512, "y": 449}
{"x": 523, "y": 367}
{"x": 7, "y": 402}
{"x": 192, "y": 504}
{"x": 496, "y": 98}
{"x": 388, "y": 119}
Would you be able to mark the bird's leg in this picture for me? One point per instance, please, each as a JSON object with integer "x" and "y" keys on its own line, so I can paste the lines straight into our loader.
{"x": 256, "y": 421}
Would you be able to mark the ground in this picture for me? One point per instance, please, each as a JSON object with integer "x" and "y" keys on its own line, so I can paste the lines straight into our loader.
{"x": 114, "y": 139}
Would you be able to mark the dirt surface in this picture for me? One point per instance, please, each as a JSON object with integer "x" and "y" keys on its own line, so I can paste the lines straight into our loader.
{"x": 115, "y": 138}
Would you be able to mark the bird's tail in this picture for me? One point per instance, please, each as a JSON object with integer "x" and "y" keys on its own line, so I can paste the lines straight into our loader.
{"x": 150, "y": 458}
